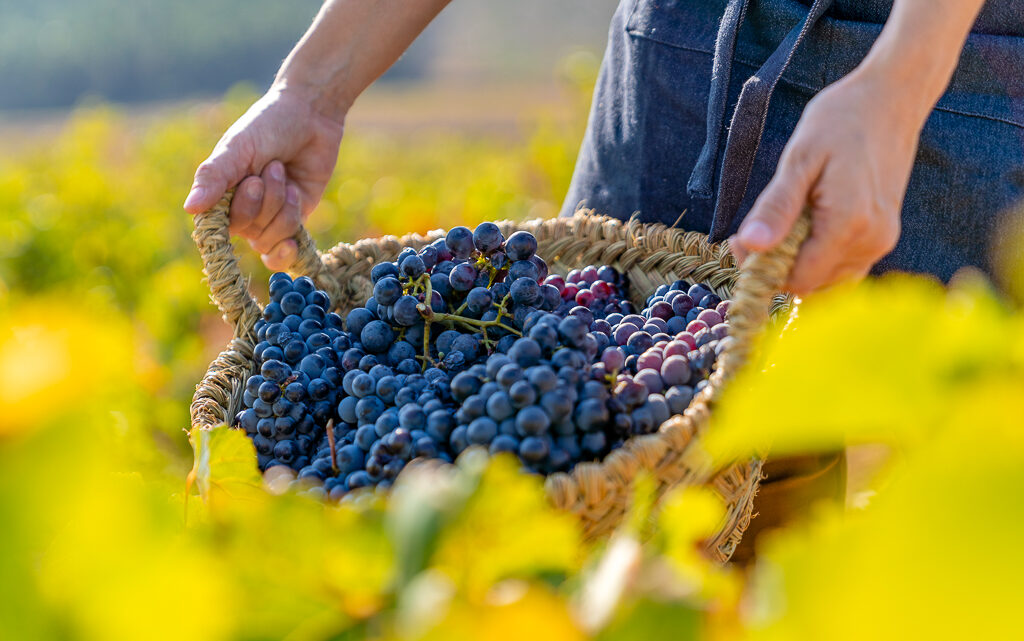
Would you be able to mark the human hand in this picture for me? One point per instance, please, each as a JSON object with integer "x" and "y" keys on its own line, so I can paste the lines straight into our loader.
{"x": 280, "y": 155}
{"x": 849, "y": 160}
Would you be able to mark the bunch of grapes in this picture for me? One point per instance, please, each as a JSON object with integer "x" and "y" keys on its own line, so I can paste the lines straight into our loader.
{"x": 470, "y": 341}
{"x": 290, "y": 401}
{"x": 670, "y": 347}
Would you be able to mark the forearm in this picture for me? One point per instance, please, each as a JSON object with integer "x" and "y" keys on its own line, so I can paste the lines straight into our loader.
{"x": 918, "y": 50}
{"x": 348, "y": 46}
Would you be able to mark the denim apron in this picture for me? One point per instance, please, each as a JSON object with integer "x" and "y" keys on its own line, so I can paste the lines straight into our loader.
{"x": 696, "y": 99}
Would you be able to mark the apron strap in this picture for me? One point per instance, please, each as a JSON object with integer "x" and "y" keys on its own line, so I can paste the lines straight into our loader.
{"x": 748, "y": 122}
{"x": 700, "y": 185}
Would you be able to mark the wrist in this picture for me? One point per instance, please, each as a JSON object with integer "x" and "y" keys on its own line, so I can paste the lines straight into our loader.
{"x": 906, "y": 85}
{"x": 322, "y": 92}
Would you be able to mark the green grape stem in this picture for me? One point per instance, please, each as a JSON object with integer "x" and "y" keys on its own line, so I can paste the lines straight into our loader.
{"x": 474, "y": 325}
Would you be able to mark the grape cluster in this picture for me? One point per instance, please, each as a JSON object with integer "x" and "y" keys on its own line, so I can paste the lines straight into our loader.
{"x": 670, "y": 347}
{"x": 470, "y": 341}
{"x": 289, "y": 402}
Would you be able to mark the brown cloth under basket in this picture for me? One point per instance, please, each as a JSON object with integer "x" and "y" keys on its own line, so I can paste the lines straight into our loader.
{"x": 649, "y": 254}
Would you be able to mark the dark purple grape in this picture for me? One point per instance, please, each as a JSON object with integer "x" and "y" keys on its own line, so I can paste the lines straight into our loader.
{"x": 675, "y": 370}
{"x": 651, "y": 379}
{"x": 406, "y": 312}
{"x": 521, "y": 245}
{"x": 269, "y": 391}
{"x": 613, "y": 358}
{"x": 525, "y": 291}
{"x": 459, "y": 242}
{"x": 542, "y": 267}
{"x": 487, "y": 237}
{"x": 591, "y": 415}
{"x": 608, "y": 274}
{"x": 534, "y": 449}
{"x": 525, "y": 352}
{"x": 479, "y": 299}
{"x": 462, "y": 277}
{"x": 387, "y": 290}
{"x": 573, "y": 331}
{"x": 357, "y": 320}
{"x": 523, "y": 269}
{"x": 275, "y": 370}
{"x": 481, "y": 431}
{"x": 504, "y": 443}
{"x": 376, "y": 337}
{"x": 532, "y": 421}
{"x": 662, "y": 310}
{"x": 380, "y": 270}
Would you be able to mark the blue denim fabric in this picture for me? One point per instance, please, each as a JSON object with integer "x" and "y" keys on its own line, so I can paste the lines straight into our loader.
{"x": 647, "y": 122}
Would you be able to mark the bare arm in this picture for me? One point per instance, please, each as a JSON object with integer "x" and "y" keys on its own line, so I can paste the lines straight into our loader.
{"x": 851, "y": 154}
{"x": 283, "y": 150}
{"x": 350, "y": 44}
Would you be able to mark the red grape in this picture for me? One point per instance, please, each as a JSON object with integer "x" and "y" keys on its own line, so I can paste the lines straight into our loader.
{"x": 695, "y": 326}
{"x": 569, "y": 293}
{"x": 573, "y": 276}
{"x": 557, "y": 281}
{"x": 710, "y": 316}
{"x": 675, "y": 370}
{"x": 650, "y": 360}
{"x": 589, "y": 274}
{"x": 677, "y": 348}
{"x": 687, "y": 338}
{"x": 661, "y": 310}
{"x": 613, "y": 358}
{"x": 650, "y": 378}
{"x": 585, "y": 297}
{"x": 682, "y": 304}
{"x": 601, "y": 289}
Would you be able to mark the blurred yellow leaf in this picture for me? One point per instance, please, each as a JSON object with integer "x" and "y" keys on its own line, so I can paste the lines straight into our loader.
{"x": 935, "y": 556}
{"x": 877, "y": 363}
{"x": 225, "y": 466}
{"x": 507, "y": 529}
{"x": 512, "y": 611}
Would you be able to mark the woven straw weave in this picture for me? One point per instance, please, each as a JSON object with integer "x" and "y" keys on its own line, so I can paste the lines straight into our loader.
{"x": 650, "y": 254}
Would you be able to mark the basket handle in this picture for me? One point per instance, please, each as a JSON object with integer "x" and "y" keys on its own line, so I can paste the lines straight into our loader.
{"x": 228, "y": 287}
{"x": 761, "y": 276}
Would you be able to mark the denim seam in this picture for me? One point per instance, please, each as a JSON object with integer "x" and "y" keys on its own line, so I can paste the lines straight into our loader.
{"x": 789, "y": 81}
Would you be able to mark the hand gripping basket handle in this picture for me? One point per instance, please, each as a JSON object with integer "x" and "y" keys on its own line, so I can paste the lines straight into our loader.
{"x": 761, "y": 276}
{"x": 228, "y": 287}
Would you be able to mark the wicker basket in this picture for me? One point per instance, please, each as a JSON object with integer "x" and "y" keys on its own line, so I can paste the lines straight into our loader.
{"x": 650, "y": 254}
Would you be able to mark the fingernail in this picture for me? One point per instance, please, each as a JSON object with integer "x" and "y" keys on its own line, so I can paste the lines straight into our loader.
{"x": 292, "y": 195}
{"x": 756, "y": 233}
{"x": 277, "y": 170}
{"x": 195, "y": 196}
{"x": 254, "y": 190}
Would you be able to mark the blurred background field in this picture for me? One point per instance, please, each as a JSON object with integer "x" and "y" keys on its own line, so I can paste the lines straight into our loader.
{"x": 107, "y": 107}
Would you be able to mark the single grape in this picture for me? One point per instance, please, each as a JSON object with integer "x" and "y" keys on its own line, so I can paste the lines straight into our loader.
{"x": 534, "y": 449}
{"x": 462, "y": 277}
{"x": 406, "y": 312}
{"x": 487, "y": 237}
{"x": 651, "y": 379}
{"x": 412, "y": 266}
{"x": 676, "y": 370}
{"x": 460, "y": 242}
{"x": 521, "y": 245}
{"x": 532, "y": 421}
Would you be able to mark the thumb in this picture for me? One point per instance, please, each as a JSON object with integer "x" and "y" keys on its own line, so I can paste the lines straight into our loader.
{"x": 223, "y": 169}
{"x": 779, "y": 205}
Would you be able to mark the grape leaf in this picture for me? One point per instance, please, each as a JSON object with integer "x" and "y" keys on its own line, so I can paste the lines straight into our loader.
{"x": 224, "y": 467}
